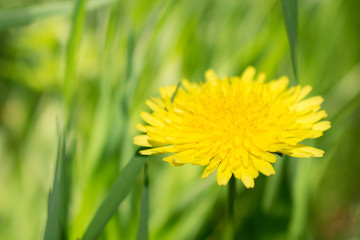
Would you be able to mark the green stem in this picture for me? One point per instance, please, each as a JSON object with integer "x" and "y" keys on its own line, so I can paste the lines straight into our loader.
{"x": 230, "y": 211}
{"x": 143, "y": 230}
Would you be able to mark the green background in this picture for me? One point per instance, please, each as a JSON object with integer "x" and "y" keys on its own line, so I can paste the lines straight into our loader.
{"x": 88, "y": 67}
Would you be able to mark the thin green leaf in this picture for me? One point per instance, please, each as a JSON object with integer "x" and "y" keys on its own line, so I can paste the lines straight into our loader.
{"x": 272, "y": 185}
{"x": 116, "y": 195}
{"x": 17, "y": 17}
{"x": 176, "y": 89}
{"x": 56, "y": 224}
{"x": 103, "y": 111}
{"x": 301, "y": 196}
{"x": 72, "y": 54}
{"x": 143, "y": 230}
{"x": 341, "y": 103}
{"x": 341, "y": 96}
{"x": 291, "y": 22}
{"x": 156, "y": 21}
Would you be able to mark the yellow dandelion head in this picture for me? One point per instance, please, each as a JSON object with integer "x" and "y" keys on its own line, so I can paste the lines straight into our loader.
{"x": 234, "y": 125}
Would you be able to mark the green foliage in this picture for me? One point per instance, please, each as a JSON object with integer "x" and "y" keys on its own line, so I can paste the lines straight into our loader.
{"x": 59, "y": 195}
{"x": 116, "y": 195}
{"x": 290, "y": 10}
{"x": 143, "y": 230}
{"x": 10, "y": 18}
{"x": 91, "y": 64}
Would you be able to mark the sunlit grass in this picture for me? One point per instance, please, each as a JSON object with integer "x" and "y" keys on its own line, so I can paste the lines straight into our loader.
{"x": 88, "y": 73}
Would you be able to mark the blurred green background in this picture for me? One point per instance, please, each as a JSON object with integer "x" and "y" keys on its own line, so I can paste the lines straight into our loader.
{"x": 89, "y": 67}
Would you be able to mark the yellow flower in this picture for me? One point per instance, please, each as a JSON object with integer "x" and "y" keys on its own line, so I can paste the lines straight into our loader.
{"x": 233, "y": 124}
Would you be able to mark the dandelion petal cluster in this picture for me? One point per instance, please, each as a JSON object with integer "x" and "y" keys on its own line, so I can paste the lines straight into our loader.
{"x": 234, "y": 125}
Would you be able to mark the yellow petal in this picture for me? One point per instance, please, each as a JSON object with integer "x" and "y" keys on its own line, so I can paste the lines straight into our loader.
{"x": 262, "y": 154}
{"x": 159, "y": 150}
{"x": 304, "y": 92}
{"x": 263, "y": 166}
{"x": 279, "y": 85}
{"x": 158, "y": 101}
{"x": 142, "y": 140}
{"x": 211, "y": 76}
{"x": 311, "y": 118}
{"x": 140, "y": 127}
{"x": 251, "y": 171}
{"x": 167, "y": 92}
{"x": 210, "y": 168}
{"x": 261, "y": 78}
{"x": 201, "y": 161}
{"x": 244, "y": 155}
{"x": 155, "y": 107}
{"x": 184, "y": 156}
{"x": 150, "y": 119}
{"x": 303, "y": 151}
{"x": 308, "y": 103}
{"x": 223, "y": 173}
{"x": 172, "y": 161}
{"x": 248, "y": 74}
{"x": 186, "y": 84}
{"x": 146, "y": 141}
{"x": 154, "y": 135}
{"x": 248, "y": 181}
{"x": 322, "y": 126}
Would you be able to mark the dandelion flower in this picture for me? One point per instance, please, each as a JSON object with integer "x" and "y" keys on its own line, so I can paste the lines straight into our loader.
{"x": 234, "y": 125}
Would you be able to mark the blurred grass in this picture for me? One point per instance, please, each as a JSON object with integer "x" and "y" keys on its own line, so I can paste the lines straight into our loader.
{"x": 290, "y": 9}
{"x": 10, "y": 18}
{"x": 58, "y": 203}
{"x": 116, "y": 195}
{"x": 117, "y": 56}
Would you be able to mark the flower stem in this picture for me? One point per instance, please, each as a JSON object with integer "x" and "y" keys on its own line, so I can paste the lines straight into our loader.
{"x": 143, "y": 229}
{"x": 230, "y": 217}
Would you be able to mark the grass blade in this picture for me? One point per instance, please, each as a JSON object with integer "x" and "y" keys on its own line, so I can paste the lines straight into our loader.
{"x": 291, "y": 22}
{"x": 341, "y": 95}
{"x": 22, "y": 16}
{"x": 143, "y": 230}
{"x": 301, "y": 197}
{"x": 176, "y": 89}
{"x": 56, "y": 224}
{"x": 272, "y": 185}
{"x": 72, "y": 55}
{"x": 116, "y": 195}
